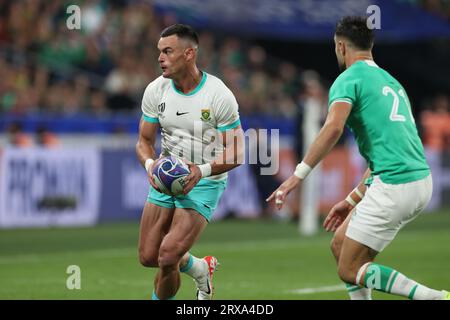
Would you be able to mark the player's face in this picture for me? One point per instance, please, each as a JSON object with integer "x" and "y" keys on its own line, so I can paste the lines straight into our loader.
{"x": 339, "y": 48}
{"x": 173, "y": 55}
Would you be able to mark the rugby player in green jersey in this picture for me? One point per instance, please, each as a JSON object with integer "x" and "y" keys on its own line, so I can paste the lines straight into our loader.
{"x": 397, "y": 185}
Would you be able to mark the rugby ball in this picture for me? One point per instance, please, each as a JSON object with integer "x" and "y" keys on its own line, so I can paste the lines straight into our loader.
{"x": 169, "y": 173}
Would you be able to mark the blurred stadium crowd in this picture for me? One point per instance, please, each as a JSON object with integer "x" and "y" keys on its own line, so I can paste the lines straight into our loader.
{"x": 104, "y": 68}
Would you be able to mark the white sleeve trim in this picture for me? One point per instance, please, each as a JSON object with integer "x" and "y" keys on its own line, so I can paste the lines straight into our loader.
{"x": 345, "y": 100}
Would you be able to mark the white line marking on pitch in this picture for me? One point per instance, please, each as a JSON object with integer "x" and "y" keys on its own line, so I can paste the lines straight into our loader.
{"x": 335, "y": 288}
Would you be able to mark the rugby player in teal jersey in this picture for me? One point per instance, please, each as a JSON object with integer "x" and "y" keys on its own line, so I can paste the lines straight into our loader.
{"x": 397, "y": 185}
{"x": 186, "y": 104}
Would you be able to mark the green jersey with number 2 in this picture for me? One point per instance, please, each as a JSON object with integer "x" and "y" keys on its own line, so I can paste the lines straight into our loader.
{"x": 382, "y": 122}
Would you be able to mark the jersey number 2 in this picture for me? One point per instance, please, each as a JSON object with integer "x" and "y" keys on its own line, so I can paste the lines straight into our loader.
{"x": 394, "y": 111}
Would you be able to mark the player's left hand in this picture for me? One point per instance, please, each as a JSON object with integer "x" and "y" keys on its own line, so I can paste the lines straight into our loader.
{"x": 283, "y": 190}
{"x": 337, "y": 215}
{"x": 193, "y": 178}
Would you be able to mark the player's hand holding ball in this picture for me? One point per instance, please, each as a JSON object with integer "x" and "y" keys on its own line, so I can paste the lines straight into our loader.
{"x": 168, "y": 175}
{"x": 149, "y": 169}
{"x": 193, "y": 178}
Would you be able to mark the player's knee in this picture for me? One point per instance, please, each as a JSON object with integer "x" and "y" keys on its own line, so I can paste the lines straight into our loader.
{"x": 169, "y": 257}
{"x": 347, "y": 273}
{"x": 148, "y": 258}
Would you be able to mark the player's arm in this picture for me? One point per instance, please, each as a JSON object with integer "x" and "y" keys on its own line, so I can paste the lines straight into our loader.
{"x": 329, "y": 134}
{"x": 324, "y": 142}
{"x": 145, "y": 146}
{"x": 231, "y": 157}
{"x": 233, "y": 154}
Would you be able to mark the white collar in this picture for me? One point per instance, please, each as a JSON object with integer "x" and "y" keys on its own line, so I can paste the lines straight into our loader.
{"x": 371, "y": 63}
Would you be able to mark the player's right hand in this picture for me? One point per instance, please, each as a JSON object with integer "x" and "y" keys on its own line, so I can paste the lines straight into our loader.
{"x": 337, "y": 215}
{"x": 150, "y": 177}
{"x": 283, "y": 190}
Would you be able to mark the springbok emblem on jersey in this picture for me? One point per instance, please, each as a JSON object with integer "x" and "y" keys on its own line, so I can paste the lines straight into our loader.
{"x": 206, "y": 115}
{"x": 161, "y": 107}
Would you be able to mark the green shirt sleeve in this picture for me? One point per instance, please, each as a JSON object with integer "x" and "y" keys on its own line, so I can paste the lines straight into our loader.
{"x": 344, "y": 89}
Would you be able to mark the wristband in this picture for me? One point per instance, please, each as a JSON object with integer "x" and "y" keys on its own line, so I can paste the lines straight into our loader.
{"x": 205, "y": 169}
{"x": 148, "y": 163}
{"x": 302, "y": 170}
{"x": 359, "y": 193}
{"x": 350, "y": 200}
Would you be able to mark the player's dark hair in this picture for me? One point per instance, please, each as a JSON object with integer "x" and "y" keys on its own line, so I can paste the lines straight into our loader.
{"x": 183, "y": 31}
{"x": 355, "y": 29}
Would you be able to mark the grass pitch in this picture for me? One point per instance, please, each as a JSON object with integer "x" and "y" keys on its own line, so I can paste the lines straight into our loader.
{"x": 264, "y": 260}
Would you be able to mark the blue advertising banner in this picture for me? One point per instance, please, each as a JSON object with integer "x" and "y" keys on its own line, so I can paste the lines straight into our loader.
{"x": 305, "y": 19}
{"x": 126, "y": 185}
{"x": 68, "y": 187}
{"x": 41, "y": 187}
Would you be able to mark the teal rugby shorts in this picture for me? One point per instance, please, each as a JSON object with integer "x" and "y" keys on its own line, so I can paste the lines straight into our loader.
{"x": 203, "y": 198}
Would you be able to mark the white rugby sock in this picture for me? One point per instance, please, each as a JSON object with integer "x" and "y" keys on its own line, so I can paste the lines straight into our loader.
{"x": 195, "y": 267}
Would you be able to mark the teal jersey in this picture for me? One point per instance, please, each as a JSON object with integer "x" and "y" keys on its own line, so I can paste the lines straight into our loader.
{"x": 382, "y": 122}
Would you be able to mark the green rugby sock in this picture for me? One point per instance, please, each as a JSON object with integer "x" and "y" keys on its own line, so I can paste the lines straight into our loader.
{"x": 388, "y": 280}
